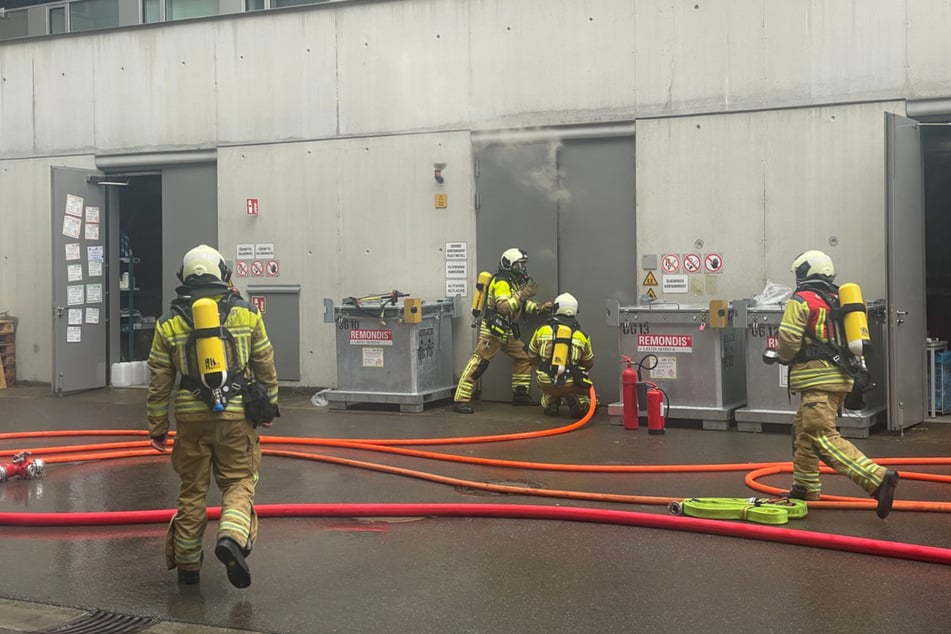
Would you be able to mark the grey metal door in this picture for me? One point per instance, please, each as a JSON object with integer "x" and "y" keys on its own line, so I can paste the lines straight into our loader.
{"x": 597, "y": 244}
{"x": 570, "y": 204}
{"x": 79, "y": 280}
{"x": 905, "y": 247}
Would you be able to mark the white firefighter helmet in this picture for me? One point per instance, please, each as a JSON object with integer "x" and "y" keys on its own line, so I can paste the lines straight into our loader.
{"x": 512, "y": 257}
{"x": 813, "y": 264}
{"x": 204, "y": 260}
{"x": 566, "y": 304}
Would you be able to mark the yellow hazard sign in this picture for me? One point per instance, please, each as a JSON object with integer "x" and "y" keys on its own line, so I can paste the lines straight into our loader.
{"x": 650, "y": 280}
{"x": 651, "y": 293}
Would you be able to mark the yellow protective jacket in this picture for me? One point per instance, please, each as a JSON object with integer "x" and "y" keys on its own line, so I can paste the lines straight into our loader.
{"x": 168, "y": 358}
{"x": 502, "y": 300}
{"x": 808, "y": 311}
{"x": 542, "y": 345}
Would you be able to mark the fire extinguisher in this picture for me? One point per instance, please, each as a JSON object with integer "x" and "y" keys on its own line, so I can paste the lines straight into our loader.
{"x": 22, "y": 467}
{"x": 629, "y": 380}
{"x": 655, "y": 414}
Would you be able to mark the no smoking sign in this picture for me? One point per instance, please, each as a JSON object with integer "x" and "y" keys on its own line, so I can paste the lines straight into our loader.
{"x": 257, "y": 268}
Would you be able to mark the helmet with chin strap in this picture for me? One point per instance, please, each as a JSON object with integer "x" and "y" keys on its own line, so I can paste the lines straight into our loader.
{"x": 813, "y": 265}
{"x": 514, "y": 261}
{"x": 203, "y": 261}
{"x": 566, "y": 304}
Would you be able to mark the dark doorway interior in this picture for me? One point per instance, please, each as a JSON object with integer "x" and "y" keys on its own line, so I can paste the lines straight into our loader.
{"x": 140, "y": 270}
{"x": 936, "y": 147}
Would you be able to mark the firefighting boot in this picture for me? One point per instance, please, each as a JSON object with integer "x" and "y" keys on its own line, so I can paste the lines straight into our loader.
{"x": 885, "y": 494}
{"x": 462, "y": 407}
{"x": 574, "y": 406}
{"x": 798, "y": 492}
{"x": 521, "y": 396}
{"x": 552, "y": 408}
{"x": 231, "y": 555}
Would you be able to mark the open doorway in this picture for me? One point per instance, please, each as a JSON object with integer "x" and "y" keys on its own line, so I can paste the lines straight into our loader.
{"x": 936, "y": 149}
{"x": 140, "y": 264}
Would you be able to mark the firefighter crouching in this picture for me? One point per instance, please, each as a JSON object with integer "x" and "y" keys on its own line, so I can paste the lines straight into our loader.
{"x": 823, "y": 371}
{"x": 562, "y": 354}
{"x": 508, "y": 299}
{"x": 218, "y": 344}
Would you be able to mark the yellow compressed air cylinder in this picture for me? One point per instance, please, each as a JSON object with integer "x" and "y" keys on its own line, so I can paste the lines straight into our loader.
{"x": 210, "y": 350}
{"x": 560, "y": 353}
{"x": 481, "y": 289}
{"x": 855, "y": 321}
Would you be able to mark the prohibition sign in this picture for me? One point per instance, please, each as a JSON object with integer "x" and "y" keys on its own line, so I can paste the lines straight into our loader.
{"x": 691, "y": 263}
{"x": 257, "y": 268}
{"x": 670, "y": 263}
{"x": 241, "y": 268}
{"x": 713, "y": 263}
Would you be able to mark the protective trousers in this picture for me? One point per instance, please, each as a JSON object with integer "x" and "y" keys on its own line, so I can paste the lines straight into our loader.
{"x": 231, "y": 450}
{"x": 815, "y": 437}
{"x": 486, "y": 348}
{"x": 552, "y": 395}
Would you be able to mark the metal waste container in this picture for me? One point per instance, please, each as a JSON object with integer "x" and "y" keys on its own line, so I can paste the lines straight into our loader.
{"x": 701, "y": 359}
{"x": 398, "y": 354}
{"x": 767, "y": 395}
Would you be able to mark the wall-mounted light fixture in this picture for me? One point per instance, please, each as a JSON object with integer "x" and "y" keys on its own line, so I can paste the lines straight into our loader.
{"x": 437, "y": 172}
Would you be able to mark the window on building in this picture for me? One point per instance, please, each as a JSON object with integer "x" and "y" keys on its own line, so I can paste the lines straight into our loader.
{"x": 151, "y": 11}
{"x": 184, "y": 9}
{"x": 277, "y": 4}
{"x": 57, "y": 17}
{"x": 87, "y": 15}
{"x": 13, "y": 25}
{"x": 254, "y": 5}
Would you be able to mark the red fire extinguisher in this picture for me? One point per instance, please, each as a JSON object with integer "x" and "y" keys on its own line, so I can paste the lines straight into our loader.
{"x": 629, "y": 381}
{"x": 655, "y": 414}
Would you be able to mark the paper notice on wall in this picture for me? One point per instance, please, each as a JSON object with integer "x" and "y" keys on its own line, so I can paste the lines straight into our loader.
{"x": 73, "y": 252}
{"x": 93, "y": 293}
{"x": 95, "y": 268}
{"x": 73, "y": 334}
{"x": 92, "y": 315}
{"x": 74, "y": 205}
{"x": 72, "y": 227}
{"x": 74, "y": 272}
{"x": 74, "y": 316}
{"x": 92, "y": 231}
{"x": 92, "y": 214}
{"x": 75, "y": 295}
{"x": 95, "y": 253}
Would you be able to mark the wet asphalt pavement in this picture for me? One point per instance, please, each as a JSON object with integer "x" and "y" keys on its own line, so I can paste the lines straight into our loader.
{"x": 459, "y": 574}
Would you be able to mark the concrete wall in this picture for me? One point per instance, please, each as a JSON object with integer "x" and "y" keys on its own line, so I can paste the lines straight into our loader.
{"x": 759, "y": 188}
{"x": 333, "y": 115}
{"x": 349, "y": 217}
{"x": 383, "y": 67}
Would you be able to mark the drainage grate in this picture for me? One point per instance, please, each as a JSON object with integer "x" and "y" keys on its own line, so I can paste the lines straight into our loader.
{"x": 525, "y": 484}
{"x": 102, "y": 622}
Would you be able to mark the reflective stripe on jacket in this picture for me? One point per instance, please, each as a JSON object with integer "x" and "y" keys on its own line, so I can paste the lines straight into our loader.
{"x": 168, "y": 357}
{"x": 542, "y": 345}
{"x": 807, "y": 312}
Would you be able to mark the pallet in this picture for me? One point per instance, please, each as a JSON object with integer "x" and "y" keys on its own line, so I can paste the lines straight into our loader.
{"x": 8, "y": 363}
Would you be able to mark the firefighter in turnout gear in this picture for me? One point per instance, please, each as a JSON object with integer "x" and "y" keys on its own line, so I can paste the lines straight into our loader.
{"x": 562, "y": 355}
{"x": 508, "y": 298}
{"x": 811, "y": 342}
{"x": 228, "y": 387}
